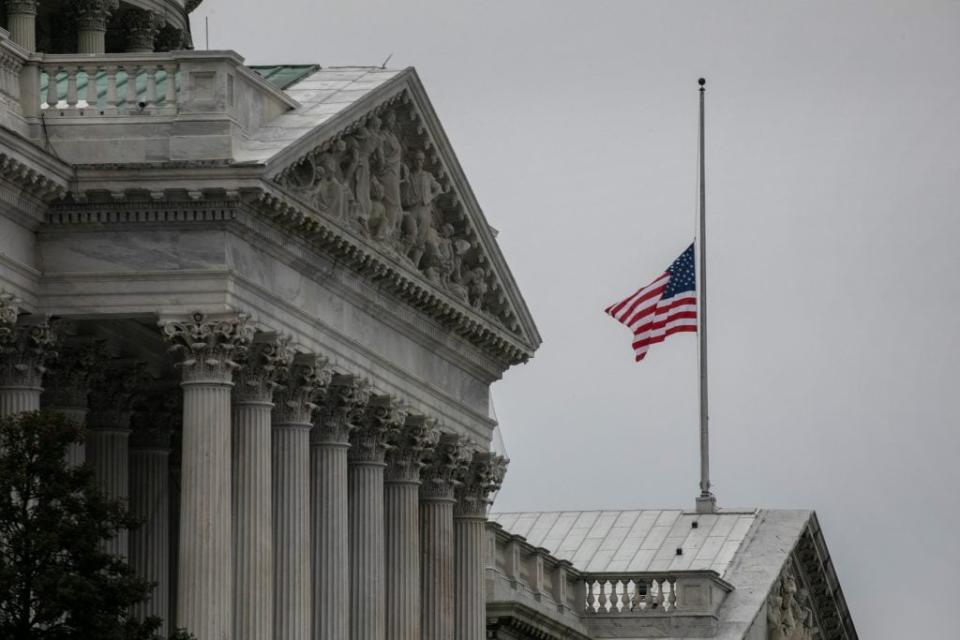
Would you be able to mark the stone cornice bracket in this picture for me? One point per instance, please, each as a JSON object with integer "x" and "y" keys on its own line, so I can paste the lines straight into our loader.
{"x": 408, "y": 447}
{"x": 209, "y": 346}
{"x": 79, "y": 368}
{"x": 483, "y": 477}
{"x": 262, "y": 365}
{"x": 92, "y": 15}
{"x": 32, "y": 180}
{"x": 444, "y": 466}
{"x": 382, "y": 419}
{"x": 301, "y": 384}
{"x": 26, "y": 344}
{"x": 341, "y": 409}
{"x": 117, "y": 394}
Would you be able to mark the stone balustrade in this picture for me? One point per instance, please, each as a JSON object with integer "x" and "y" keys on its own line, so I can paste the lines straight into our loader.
{"x": 111, "y": 85}
{"x": 527, "y": 583}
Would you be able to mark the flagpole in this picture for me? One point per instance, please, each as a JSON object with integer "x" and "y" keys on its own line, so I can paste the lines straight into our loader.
{"x": 706, "y": 501}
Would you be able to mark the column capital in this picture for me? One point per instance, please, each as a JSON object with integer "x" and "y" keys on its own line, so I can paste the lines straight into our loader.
{"x": 300, "y": 385}
{"x": 117, "y": 393}
{"x": 26, "y": 344}
{"x": 483, "y": 476}
{"x": 262, "y": 365}
{"x": 22, "y": 7}
{"x": 409, "y": 445}
{"x": 444, "y": 465}
{"x": 142, "y": 27}
{"x": 209, "y": 346}
{"x": 77, "y": 369}
{"x": 92, "y": 15}
{"x": 382, "y": 418}
{"x": 341, "y": 409}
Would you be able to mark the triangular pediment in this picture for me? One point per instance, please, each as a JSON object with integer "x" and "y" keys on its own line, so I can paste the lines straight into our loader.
{"x": 382, "y": 173}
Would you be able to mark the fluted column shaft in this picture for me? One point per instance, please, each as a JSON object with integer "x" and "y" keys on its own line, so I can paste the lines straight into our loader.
{"x": 150, "y": 542}
{"x": 108, "y": 454}
{"x": 17, "y": 399}
{"x": 76, "y": 451}
{"x": 253, "y": 520}
{"x": 436, "y": 566}
{"x": 291, "y": 518}
{"x": 330, "y": 546}
{"x": 205, "y": 546}
{"x": 22, "y": 22}
{"x": 367, "y": 602}
{"x": 402, "y": 555}
{"x": 470, "y": 616}
{"x": 481, "y": 478}
{"x": 204, "y": 579}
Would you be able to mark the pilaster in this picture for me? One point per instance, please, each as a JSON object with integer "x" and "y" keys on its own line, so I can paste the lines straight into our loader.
{"x": 483, "y": 477}
{"x": 340, "y": 410}
{"x": 209, "y": 349}
{"x": 267, "y": 360}
{"x": 409, "y": 445}
{"x": 292, "y": 422}
{"x": 444, "y": 465}
{"x": 27, "y": 343}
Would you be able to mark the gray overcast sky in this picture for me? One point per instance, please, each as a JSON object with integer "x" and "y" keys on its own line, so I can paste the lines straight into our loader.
{"x": 833, "y": 219}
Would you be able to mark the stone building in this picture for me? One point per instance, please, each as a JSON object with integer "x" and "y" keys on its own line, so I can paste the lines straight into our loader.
{"x": 271, "y": 297}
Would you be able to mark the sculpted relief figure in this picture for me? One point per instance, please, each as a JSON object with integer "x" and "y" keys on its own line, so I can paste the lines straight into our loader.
{"x": 422, "y": 190}
{"x": 788, "y": 617}
{"x": 365, "y": 153}
{"x": 333, "y": 194}
{"x": 391, "y": 175}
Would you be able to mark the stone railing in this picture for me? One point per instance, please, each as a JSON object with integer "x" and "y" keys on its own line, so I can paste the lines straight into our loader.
{"x": 637, "y": 594}
{"x": 123, "y": 84}
{"x": 529, "y": 588}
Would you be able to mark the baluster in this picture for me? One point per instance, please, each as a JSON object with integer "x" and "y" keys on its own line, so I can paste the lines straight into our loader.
{"x": 52, "y": 71}
{"x": 602, "y": 598}
{"x": 110, "y": 70}
{"x": 672, "y": 600}
{"x": 630, "y": 595}
{"x": 90, "y": 95}
{"x": 131, "y": 101}
{"x": 658, "y": 603}
{"x": 150, "y": 96}
{"x": 648, "y": 601}
{"x": 591, "y": 597}
{"x": 170, "y": 100}
{"x": 72, "y": 72}
{"x": 614, "y": 596}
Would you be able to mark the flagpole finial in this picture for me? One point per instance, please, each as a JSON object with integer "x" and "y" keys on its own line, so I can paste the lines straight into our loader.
{"x": 702, "y": 82}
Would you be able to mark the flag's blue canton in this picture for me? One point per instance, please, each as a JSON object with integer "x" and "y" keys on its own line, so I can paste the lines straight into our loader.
{"x": 682, "y": 275}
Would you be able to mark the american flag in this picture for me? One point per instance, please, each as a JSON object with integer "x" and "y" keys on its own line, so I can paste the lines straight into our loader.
{"x": 666, "y": 306}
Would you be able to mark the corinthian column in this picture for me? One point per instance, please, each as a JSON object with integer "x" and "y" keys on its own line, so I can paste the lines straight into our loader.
{"x": 444, "y": 464}
{"x": 150, "y": 502}
{"x": 68, "y": 382}
{"x": 22, "y": 22}
{"x": 402, "y": 526}
{"x": 205, "y": 575}
{"x": 92, "y": 18}
{"x": 266, "y": 360}
{"x": 340, "y": 410}
{"x": 368, "y": 446}
{"x": 292, "y": 422}
{"x": 108, "y": 436}
{"x": 25, "y": 345}
{"x": 483, "y": 477}
{"x": 141, "y": 27}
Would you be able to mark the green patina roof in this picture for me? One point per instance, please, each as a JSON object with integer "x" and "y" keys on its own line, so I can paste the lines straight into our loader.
{"x": 280, "y": 76}
{"x": 284, "y": 75}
